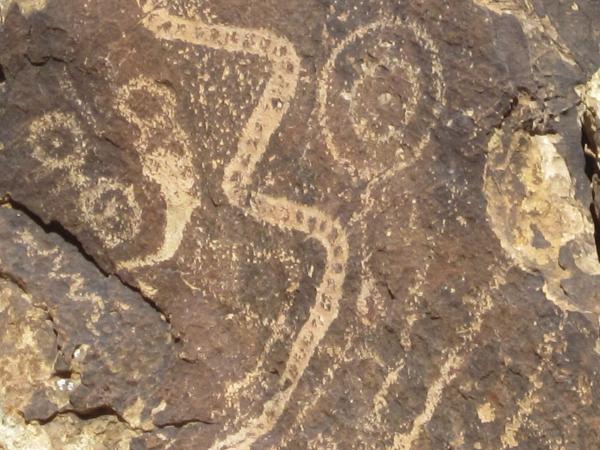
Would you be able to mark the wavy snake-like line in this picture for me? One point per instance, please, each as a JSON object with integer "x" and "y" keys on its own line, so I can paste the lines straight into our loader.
{"x": 276, "y": 211}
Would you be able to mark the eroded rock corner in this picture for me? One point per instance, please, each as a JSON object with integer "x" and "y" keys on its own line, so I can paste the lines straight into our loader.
{"x": 308, "y": 224}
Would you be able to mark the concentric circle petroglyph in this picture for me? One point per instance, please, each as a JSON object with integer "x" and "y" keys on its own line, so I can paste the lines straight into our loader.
{"x": 58, "y": 142}
{"x": 383, "y": 98}
{"x": 371, "y": 121}
{"x": 108, "y": 206}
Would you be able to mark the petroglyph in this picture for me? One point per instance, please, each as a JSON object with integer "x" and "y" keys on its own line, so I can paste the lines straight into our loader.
{"x": 340, "y": 357}
{"x": 56, "y": 127}
{"x": 247, "y": 167}
{"x": 373, "y": 124}
{"x": 369, "y": 299}
{"x": 448, "y": 372}
{"x": 102, "y": 206}
{"x": 278, "y": 212}
{"x": 370, "y": 304}
{"x": 59, "y": 143}
{"x": 173, "y": 172}
{"x": 166, "y": 160}
{"x": 384, "y": 151}
{"x": 527, "y": 403}
{"x": 368, "y": 127}
{"x": 108, "y": 206}
{"x": 365, "y": 118}
{"x": 379, "y": 400}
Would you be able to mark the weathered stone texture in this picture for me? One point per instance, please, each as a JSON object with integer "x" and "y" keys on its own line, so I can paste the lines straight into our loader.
{"x": 308, "y": 224}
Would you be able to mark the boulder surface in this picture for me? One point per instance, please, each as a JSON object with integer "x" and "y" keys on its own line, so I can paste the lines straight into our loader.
{"x": 300, "y": 224}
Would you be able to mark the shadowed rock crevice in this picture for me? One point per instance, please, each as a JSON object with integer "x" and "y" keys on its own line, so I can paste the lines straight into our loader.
{"x": 589, "y": 115}
{"x": 55, "y": 228}
{"x": 91, "y": 414}
{"x": 104, "y": 411}
{"x": 58, "y": 229}
{"x": 588, "y": 146}
{"x": 592, "y": 170}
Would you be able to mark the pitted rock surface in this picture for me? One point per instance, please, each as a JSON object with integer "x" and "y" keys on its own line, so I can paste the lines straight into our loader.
{"x": 322, "y": 224}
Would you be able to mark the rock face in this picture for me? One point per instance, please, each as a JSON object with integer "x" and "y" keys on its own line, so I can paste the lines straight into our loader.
{"x": 311, "y": 224}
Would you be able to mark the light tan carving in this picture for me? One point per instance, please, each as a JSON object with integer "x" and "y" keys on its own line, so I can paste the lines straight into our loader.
{"x": 363, "y": 120}
{"x": 275, "y": 211}
{"x": 448, "y": 371}
{"x": 166, "y": 161}
{"x": 108, "y": 206}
